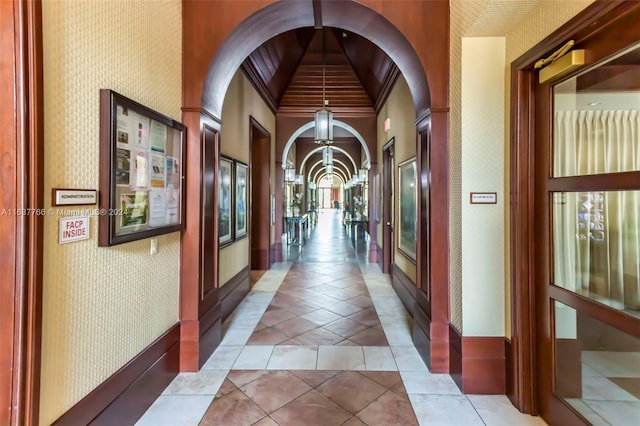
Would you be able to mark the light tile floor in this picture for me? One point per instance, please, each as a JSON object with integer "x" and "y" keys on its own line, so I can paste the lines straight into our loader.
{"x": 315, "y": 370}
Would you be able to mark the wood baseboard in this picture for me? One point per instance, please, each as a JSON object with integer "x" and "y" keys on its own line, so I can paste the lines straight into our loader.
{"x": 421, "y": 334}
{"x": 404, "y": 287}
{"x": 478, "y": 365}
{"x": 276, "y": 253}
{"x": 234, "y": 290}
{"x": 125, "y": 396}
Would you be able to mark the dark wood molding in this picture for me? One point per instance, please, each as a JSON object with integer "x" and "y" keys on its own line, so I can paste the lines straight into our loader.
{"x": 602, "y": 182}
{"x": 210, "y": 333}
{"x": 234, "y": 290}
{"x": 508, "y": 365}
{"x": 249, "y": 69}
{"x": 259, "y": 201}
{"x": 404, "y": 287}
{"x": 129, "y": 392}
{"x": 422, "y": 331}
{"x": 582, "y": 26}
{"x": 478, "y": 364}
{"x": 21, "y": 236}
{"x": 523, "y": 324}
{"x": 602, "y": 29}
{"x": 455, "y": 356}
{"x": 569, "y": 378}
{"x": 338, "y": 112}
{"x": 276, "y": 252}
{"x": 483, "y": 365}
{"x": 205, "y": 113}
{"x": 387, "y": 86}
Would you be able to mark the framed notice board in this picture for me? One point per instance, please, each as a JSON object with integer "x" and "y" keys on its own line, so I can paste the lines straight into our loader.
{"x": 142, "y": 181}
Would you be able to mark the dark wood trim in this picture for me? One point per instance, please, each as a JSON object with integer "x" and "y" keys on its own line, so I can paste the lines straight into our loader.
{"x": 478, "y": 364}
{"x": 388, "y": 167}
{"x": 439, "y": 300}
{"x": 576, "y": 29}
{"x": 234, "y": 290}
{"x": 249, "y": 69}
{"x": 387, "y": 87}
{"x": 210, "y": 333}
{"x": 508, "y": 366}
{"x": 22, "y": 188}
{"x": 338, "y": 112}
{"x": 276, "y": 252}
{"x": 569, "y": 380}
{"x": 483, "y": 365}
{"x": 422, "y": 331}
{"x": 404, "y": 287}
{"x": 455, "y": 356}
{"x": 129, "y": 392}
{"x": 614, "y": 317}
{"x": 523, "y": 324}
{"x": 259, "y": 224}
{"x": 602, "y": 182}
{"x": 597, "y": 29}
{"x": 207, "y": 114}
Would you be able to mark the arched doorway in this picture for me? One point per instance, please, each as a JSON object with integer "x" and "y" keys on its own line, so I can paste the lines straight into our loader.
{"x": 213, "y": 51}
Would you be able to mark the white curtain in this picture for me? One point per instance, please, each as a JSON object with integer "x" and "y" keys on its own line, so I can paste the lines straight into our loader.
{"x": 597, "y": 234}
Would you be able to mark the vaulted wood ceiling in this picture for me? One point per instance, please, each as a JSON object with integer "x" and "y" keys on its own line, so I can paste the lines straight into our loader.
{"x": 288, "y": 71}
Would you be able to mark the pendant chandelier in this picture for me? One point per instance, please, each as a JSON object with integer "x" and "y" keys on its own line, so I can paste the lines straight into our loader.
{"x": 323, "y": 117}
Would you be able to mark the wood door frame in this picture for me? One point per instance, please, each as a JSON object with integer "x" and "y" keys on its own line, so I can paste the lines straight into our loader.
{"x": 598, "y": 17}
{"x": 388, "y": 246}
{"x": 257, "y": 132}
{"x": 21, "y": 188}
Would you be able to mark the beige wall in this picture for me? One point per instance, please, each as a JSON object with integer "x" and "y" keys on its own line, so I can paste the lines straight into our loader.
{"x": 400, "y": 110}
{"x": 482, "y": 171}
{"x": 241, "y": 102}
{"x": 101, "y": 306}
{"x": 530, "y": 22}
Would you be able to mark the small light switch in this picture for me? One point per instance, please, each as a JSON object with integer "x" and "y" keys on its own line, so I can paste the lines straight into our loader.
{"x": 154, "y": 246}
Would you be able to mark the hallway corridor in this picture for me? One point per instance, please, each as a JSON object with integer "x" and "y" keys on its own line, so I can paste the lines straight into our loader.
{"x": 322, "y": 340}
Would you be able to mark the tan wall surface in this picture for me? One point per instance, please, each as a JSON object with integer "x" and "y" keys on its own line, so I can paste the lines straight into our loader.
{"x": 399, "y": 108}
{"x": 242, "y": 101}
{"x": 101, "y": 306}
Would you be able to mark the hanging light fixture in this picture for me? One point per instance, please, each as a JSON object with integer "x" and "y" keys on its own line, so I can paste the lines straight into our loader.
{"x": 323, "y": 117}
{"x": 327, "y": 156}
{"x": 289, "y": 174}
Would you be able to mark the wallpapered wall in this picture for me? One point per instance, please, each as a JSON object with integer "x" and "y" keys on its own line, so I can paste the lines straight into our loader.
{"x": 481, "y": 18}
{"x": 242, "y": 101}
{"x": 102, "y": 306}
{"x": 400, "y": 110}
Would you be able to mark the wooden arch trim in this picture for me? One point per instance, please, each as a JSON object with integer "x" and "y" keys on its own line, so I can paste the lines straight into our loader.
{"x": 284, "y": 16}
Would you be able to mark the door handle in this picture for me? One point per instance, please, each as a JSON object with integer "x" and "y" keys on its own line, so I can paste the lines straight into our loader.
{"x": 388, "y": 223}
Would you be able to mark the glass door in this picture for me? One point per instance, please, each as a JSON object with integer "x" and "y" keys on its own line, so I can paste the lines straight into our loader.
{"x": 588, "y": 247}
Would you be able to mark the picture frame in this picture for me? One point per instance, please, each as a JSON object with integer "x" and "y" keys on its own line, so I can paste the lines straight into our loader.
{"x": 142, "y": 173}
{"x": 225, "y": 201}
{"x": 408, "y": 208}
{"x": 241, "y": 178}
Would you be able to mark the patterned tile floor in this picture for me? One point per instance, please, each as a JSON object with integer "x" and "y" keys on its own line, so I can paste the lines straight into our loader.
{"x": 322, "y": 339}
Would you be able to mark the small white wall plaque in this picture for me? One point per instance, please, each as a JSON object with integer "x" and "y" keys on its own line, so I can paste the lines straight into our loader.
{"x": 484, "y": 198}
{"x": 74, "y": 197}
{"x": 74, "y": 229}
